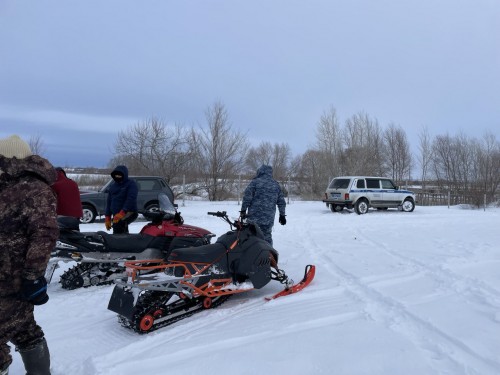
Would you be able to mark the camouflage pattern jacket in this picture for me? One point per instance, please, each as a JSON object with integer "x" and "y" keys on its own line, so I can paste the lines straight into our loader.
{"x": 261, "y": 197}
{"x": 28, "y": 220}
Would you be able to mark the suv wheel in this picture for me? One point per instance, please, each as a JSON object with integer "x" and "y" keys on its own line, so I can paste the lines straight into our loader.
{"x": 152, "y": 208}
{"x": 361, "y": 206}
{"x": 336, "y": 208}
{"x": 408, "y": 205}
{"x": 89, "y": 214}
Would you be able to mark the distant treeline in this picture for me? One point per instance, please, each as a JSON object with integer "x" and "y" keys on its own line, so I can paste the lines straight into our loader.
{"x": 213, "y": 158}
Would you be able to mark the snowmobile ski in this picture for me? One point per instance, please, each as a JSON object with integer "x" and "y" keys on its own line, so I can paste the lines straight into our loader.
{"x": 308, "y": 277}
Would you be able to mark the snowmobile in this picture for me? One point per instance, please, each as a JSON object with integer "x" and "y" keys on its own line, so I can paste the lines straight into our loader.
{"x": 157, "y": 293}
{"x": 101, "y": 256}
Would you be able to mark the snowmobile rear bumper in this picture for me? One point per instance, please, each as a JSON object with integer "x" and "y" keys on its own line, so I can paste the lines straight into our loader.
{"x": 122, "y": 302}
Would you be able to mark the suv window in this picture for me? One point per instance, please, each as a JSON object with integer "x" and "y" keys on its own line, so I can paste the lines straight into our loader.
{"x": 372, "y": 183}
{"x": 387, "y": 184}
{"x": 339, "y": 183}
{"x": 148, "y": 185}
{"x": 360, "y": 184}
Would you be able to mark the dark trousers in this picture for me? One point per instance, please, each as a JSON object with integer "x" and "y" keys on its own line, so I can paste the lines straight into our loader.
{"x": 122, "y": 226}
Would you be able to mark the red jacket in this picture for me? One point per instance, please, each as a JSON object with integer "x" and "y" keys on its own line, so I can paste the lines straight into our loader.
{"x": 68, "y": 196}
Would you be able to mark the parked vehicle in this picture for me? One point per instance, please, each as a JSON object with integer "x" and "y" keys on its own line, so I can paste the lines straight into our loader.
{"x": 193, "y": 279}
{"x": 101, "y": 256}
{"x": 363, "y": 192}
{"x": 94, "y": 203}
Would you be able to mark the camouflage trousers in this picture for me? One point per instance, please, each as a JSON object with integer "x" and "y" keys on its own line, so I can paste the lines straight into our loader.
{"x": 267, "y": 231}
{"x": 18, "y": 326}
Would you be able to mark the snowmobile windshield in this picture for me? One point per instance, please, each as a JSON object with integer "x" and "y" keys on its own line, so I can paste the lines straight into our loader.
{"x": 166, "y": 206}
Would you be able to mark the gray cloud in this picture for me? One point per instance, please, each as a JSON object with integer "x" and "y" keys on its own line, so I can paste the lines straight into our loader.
{"x": 98, "y": 67}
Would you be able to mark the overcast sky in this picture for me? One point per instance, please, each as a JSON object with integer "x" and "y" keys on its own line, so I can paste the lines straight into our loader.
{"x": 77, "y": 72}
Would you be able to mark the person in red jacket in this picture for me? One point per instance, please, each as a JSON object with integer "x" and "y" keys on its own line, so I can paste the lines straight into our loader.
{"x": 68, "y": 196}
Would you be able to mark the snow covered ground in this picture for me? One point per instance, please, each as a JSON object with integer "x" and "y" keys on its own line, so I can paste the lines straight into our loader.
{"x": 395, "y": 294}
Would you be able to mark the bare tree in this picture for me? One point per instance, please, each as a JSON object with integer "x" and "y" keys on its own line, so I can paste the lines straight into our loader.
{"x": 364, "y": 153}
{"x": 281, "y": 161}
{"x": 442, "y": 162}
{"x": 488, "y": 165}
{"x": 308, "y": 177}
{"x": 220, "y": 152}
{"x": 466, "y": 166}
{"x": 398, "y": 156}
{"x": 276, "y": 155}
{"x": 453, "y": 161}
{"x": 329, "y": 144}
{"x": 256, "y": 156}
{"x": 36, "y": 144}
{"x": 152, "y": 147}
{"x": 426, "y": 154}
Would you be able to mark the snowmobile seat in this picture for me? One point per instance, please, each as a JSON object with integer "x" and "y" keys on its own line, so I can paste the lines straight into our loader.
{"x": 127, "y": 243}
{"x": 200, "y": 254}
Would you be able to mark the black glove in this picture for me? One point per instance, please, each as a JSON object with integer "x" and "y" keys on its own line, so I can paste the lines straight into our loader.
{"x": 282, "y": 220}
{"x": 243, "y": 214}
{"x": 34, "y": 291}
{"x": 178, "y": 218}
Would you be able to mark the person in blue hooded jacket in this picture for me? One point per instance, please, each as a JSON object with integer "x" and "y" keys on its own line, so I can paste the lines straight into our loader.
{"x": 260, "y": 198}
{"x": 121, "y": 204}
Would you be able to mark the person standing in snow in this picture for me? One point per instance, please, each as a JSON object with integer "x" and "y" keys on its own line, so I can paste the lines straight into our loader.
{"x": 121, "y": 204}
{"x": 68, "y": 196}
{"x": 28, "y": 234}
{"x": 260, "y": 198}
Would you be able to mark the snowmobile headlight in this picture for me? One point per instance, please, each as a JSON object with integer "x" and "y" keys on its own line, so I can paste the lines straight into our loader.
{"x": 64, "y": 246}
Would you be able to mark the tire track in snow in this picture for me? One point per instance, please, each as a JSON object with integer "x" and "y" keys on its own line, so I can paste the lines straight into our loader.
{"x": 394, "y": 315}
{"x": 461, "y": 282}
{"x": 183, "y": 330}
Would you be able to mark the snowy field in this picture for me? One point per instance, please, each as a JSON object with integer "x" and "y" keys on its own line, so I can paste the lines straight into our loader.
{"x": 395, "y": 294}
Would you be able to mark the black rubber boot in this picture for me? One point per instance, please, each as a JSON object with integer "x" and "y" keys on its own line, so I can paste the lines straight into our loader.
{"x": 36, "y": 359}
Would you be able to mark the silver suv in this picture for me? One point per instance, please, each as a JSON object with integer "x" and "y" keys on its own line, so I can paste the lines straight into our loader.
{"x": 94, "y": 203}
{"x": 363, "y": 192}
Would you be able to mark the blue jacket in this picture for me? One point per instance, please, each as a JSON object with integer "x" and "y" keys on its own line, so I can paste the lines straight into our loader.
{"x": 261, "y": 197}
{"x": 121, "y": 195}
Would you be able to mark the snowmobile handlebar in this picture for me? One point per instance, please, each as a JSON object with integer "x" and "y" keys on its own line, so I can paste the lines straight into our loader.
{"x": 223, "y": 215}
{"x": 218, "y": 213}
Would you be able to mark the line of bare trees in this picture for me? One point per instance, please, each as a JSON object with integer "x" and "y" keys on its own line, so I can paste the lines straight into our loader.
{"x": 460, "y": 164}
{"x": 212, "y": 157}
{"x": 215, "y": 156}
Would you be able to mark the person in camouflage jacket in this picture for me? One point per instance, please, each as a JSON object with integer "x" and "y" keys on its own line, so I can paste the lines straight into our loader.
{"x": 28, "y": 233}
{"x": 260, "y": 198}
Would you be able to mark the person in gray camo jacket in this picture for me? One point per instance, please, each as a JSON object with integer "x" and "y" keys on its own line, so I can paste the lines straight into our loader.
{"x": 28, "y": 233}
{"x": 260, "y": 198}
